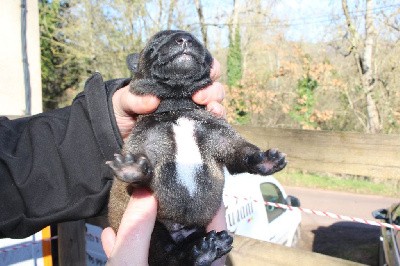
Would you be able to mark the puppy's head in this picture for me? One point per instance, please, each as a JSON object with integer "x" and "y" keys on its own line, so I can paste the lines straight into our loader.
{"x": 175, "y": 63}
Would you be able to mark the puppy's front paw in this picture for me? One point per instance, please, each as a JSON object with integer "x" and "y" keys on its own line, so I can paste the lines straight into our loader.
{"x": 267, "y": 163}
{"x": 131, "y": 168}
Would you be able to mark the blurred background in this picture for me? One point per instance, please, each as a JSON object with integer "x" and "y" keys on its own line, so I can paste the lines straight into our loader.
{"x": 327, "y": 65}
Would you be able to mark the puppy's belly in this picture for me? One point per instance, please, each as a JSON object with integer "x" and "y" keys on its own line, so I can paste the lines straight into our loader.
{"x": 188, "y": 158}
{"x": 189, "y": 184}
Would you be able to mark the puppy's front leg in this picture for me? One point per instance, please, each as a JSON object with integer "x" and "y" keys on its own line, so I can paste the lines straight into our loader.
{"x": 130, "y": 171}
{"x": 249, "y": 158}
{"x": 266, "y": 163}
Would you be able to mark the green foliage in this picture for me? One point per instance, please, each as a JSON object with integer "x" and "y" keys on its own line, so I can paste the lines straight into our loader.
{"x": 60, "y": 71}
{"x": 80, "y": 37}
{"x": 234, "y": 76}
{"x": 242, "y": 115}
{"x": 234, "y": 60}
{"x": 304, "y": 106}
{"x": 351, "y": 184}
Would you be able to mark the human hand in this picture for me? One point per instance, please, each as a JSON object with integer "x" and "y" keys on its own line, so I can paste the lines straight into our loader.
{"x": 131, "y": 245}
{"x": 128, "y": 105}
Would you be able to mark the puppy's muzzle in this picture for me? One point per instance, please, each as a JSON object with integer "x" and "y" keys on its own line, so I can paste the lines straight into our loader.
{"x": 180, "y": 44}
{"x": 184, "y": 40}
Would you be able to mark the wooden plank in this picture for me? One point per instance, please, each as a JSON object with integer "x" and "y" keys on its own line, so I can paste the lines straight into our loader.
{"x": 371, "y": 155}
{"x": 71, "y": 243}
{"x": 248, "y": 251}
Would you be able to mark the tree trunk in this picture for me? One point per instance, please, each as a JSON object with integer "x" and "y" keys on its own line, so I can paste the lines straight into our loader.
{"x": 171, "y": 9}
{"x": 203, "y": 26}
{"x": 233, "y": 20}
{"x": 365, "y": 62}
{"x": 368, "y": 77}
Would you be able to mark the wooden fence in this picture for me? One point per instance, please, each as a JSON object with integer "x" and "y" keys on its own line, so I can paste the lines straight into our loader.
{"x": 370, "y": 155}
{"x": 376, "y": 156}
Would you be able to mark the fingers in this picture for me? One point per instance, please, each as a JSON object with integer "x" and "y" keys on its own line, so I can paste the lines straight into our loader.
{"x": 133, "y": 239}
{"x": 214, "y": 92}
{"x": 126, "y": 103}
{"x": 217, "y": 109}
{"x": 212, "y": 97}
{"x": 215, "y": 72}
{"x": 108, "y": 240}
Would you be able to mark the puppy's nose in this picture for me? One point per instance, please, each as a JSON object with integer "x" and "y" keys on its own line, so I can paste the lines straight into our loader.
{"x": 184, "y": 40}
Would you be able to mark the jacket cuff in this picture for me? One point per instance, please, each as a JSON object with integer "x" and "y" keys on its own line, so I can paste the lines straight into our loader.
{"x": 111, "y": 87}
{"x": 98, "y": 97}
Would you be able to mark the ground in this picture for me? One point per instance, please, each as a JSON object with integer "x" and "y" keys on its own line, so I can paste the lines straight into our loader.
{"x": 338, "y": 238}
{"x": 346, "y": 240}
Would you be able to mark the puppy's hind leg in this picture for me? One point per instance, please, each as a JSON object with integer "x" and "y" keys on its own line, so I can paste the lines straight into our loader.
{"x": 132, "y": 169}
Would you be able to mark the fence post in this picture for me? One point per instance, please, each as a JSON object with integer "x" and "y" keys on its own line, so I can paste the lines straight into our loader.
{"x": 71, "y": 243}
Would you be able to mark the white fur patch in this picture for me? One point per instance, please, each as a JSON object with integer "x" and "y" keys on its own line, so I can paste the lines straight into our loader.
{"x": 188, "y": 157}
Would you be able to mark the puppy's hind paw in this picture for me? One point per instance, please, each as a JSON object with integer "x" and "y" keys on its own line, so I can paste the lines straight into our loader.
{"x": 131, "y": 168}
{"x": 223, "y": 241}
{"x": 212, "y": 247}
{"x": 205, "y": 252}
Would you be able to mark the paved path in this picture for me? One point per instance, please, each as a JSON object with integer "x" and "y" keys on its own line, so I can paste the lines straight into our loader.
{"x": 348, "y": 240}
{"x": 354, "y": 205}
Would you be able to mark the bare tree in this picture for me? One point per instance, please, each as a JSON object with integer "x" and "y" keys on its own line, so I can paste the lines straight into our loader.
{"x": 363, "y": 53}
{"x": 203, "y": 26}
{"x": 233, "y": 19}
{"x": 171, "y": 8}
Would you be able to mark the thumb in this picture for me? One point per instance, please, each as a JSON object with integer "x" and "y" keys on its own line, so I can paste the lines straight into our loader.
{"x": 133, "y": 238}
{"x": 108, "y": 240}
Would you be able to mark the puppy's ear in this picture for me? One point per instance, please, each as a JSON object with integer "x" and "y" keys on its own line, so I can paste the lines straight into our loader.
{"x": 132, "y": 60}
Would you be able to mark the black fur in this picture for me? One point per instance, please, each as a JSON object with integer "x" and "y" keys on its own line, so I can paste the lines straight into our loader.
{"x": 173, "y": 66}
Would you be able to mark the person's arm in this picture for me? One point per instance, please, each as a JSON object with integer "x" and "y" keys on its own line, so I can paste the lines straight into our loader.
{"x": 52, "y": 165}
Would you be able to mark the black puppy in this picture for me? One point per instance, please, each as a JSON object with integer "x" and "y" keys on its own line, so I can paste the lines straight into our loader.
{"x": 180, "y": 153}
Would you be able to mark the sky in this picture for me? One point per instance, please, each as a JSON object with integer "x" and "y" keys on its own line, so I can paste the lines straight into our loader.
{"x": 308, "y": 20}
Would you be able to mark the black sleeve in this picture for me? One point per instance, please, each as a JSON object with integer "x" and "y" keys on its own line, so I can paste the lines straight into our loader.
{"x": 52, "y": 165}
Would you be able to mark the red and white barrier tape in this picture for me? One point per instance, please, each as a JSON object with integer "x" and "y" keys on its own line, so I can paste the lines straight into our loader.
{"x": 26, "y": 244}
{"x": 322, "y": 213}
{"x": 274, "y": 204}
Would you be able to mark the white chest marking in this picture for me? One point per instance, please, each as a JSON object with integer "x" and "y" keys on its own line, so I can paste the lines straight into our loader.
{"x": 188, "y": 157}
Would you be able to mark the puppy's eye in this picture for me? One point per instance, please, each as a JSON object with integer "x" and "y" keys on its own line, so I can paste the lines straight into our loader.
{"x": 151, "y": 50}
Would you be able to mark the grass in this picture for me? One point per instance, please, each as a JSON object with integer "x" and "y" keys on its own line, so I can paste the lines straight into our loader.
{"x": 339, "y": 183}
